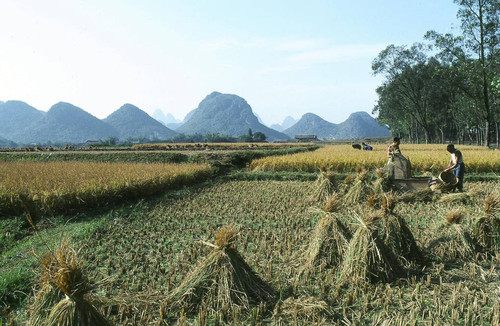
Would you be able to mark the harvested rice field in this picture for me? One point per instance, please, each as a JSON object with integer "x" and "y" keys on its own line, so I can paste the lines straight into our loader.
{"x": 338, "y": 250}
{"x": 139, "y": 259}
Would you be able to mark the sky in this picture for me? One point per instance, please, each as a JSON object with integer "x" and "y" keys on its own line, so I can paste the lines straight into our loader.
{"x": 284, "y": 57}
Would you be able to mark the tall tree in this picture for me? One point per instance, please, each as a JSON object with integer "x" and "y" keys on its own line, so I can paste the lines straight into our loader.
{"x": 414, "y": 93}
{"x": 476, "y": 52}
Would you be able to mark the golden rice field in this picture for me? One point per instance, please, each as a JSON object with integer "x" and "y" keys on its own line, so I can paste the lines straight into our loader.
{"x": 343, "y": 158}
{"x": 49, "y": 187}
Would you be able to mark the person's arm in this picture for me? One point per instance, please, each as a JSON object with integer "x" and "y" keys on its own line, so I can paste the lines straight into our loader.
{"x": 451, "y": 166}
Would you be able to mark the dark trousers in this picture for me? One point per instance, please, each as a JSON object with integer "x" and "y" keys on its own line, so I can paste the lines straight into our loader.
{"x": 459, "y": 172}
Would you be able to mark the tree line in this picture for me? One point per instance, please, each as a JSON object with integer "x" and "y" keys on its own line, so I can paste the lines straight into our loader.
{"x": 446, "y": 88}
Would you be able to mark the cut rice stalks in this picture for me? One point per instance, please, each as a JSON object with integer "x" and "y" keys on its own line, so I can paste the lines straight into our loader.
{"x": 382, "y": 183}
{"x": 327, "y": 247}
{"x": 64, "y": 292}
{"x": 459, "y": 197}
{"x": 487, "y": 234}
{"x": 425, "y": 195}
{"x": 492, "y": 205}
{"x": 368, "y": 258}
{"x": 333, "y": 204}
{"x": 223, "y": 282}
{"x": 308, "y": 310}
{"x": 385, "y": 201}
{"x": 398, "y": 237}
{"x": 359, "y": 190}
{"x": 487, "y": 227}
{"x": 394, "y": 231}
{"x": 325, "y": 185}
{"x": 455, "y": 241}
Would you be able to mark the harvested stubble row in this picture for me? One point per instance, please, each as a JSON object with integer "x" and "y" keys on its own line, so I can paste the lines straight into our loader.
{"x": 157, "y": 249}
{"x": 57, "y": 186}
{"x": 343, "y": 158}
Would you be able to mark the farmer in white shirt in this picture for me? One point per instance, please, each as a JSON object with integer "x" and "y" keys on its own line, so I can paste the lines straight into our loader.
{"x": 457, "y": 165}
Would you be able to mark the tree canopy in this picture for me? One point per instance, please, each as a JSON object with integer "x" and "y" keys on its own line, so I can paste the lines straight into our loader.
{"x": 447, "y": 89}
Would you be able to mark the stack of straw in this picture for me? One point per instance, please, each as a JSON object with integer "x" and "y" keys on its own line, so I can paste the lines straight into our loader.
{"x": 221, "y": 282}
{"x": 63, "y": 298}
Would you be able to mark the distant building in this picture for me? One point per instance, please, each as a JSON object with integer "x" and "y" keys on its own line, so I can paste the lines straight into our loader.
{"x": 306, "y": 138}
{"x": 89, "y": 142}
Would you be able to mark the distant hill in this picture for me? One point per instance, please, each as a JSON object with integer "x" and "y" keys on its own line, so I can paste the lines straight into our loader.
{"x": 358, "y": 125}
{"x": 67, "y": 123}
{"x": 130, "y": 121}
{"x": 17, "y": 120}
{"x": 188, "y": 115}
{"x": 226, "y": 114}
{"x": 166, "y": 119}
{"x": 276, "y": 127}
{"x": 7, "y": 143}
{"x": 287, "y": 123}
{"x": 310, "y": 123}
{"x": 158, "y": 115}
{"x": 361, "y": 125}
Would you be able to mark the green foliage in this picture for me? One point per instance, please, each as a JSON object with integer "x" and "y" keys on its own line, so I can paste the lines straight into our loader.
{"x": 449, "y": 96}
{"x": 259, "y": 137}
{"x": 215, "y": 137}
{"x": 15, "y": 284}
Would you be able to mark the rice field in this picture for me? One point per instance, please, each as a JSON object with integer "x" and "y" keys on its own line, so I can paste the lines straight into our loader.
{"x": 140, "y": 260}
{"x": 217, "y": 146}
{"x": 335, "y": 251}
{"x": 49, "y": 187}
{"x": 343, "y": 158}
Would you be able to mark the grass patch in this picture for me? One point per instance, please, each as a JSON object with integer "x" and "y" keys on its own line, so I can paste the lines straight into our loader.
{"x": 18, "y": 262}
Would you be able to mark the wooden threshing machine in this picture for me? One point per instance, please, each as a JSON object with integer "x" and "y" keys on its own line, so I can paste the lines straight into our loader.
{"x": 400, "y": 175}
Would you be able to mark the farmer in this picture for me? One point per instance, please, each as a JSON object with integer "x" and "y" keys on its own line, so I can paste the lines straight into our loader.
{"x": 457, "y": 165}
{"x": 393, "y": 149}
{"x": 366, "y": 147}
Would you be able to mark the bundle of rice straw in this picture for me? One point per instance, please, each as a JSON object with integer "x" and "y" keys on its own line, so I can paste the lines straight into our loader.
{"x": 359, "y": 190}
{"x": 325, "y": 185}
{"x": 306, "y": 310}
{"x": 455, "y": 241}
{"x": 223, "y": 281}
{"x": 487, "y": 227}
{"x": 459, "y": 197}
{"x": 381, "y": 183}
{"x": 328, "y": 244}
{"x": 65, "y": 291}
{"x": 368, "y": 258}
{"x": 396, "y": 234}
{"x": 425, "y": 195}
{"x": 348, "y": 181}
{"x": 492, "y": 205}
{"x": 333, "y": 204}
{"x": 385, "y": 201}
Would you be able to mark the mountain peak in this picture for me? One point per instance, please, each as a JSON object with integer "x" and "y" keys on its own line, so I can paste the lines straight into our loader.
{"x": 226, "y": 114}
{"x": 130, "y": 121}
{"x": 358, "y": 125}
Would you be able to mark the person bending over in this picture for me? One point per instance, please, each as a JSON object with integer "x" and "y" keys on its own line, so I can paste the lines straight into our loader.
{"x": 457, "y": 165}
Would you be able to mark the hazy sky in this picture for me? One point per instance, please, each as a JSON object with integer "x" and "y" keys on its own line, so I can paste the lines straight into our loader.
{"x": 285, "y": 57}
